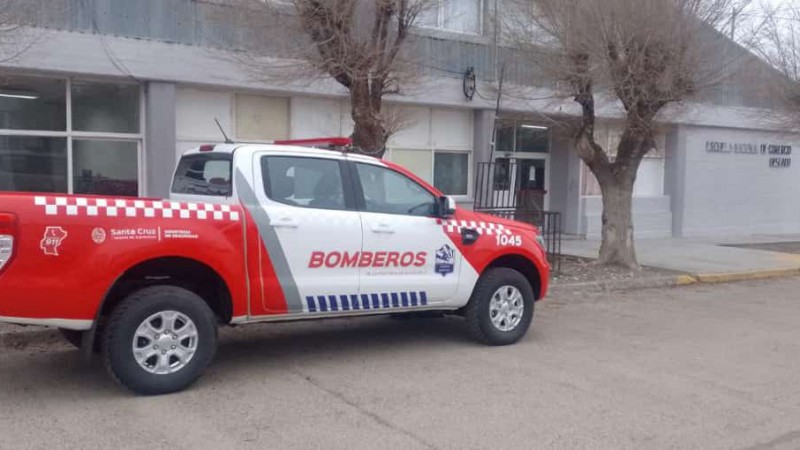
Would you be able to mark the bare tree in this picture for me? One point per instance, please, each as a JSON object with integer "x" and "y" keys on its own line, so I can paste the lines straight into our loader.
{"x": 642, "y": 55}
{"x": 779, "y": 45}
{"x": 19, "y": 26}
{"x": 357, "y": 43}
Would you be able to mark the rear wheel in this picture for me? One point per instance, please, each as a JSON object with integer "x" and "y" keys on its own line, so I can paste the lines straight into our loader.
{"x": 500, "y": 310}
{"x": 160, "y": 340}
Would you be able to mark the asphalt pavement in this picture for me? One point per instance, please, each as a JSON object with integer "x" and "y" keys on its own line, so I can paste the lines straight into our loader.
{"x": 706, "y": 366}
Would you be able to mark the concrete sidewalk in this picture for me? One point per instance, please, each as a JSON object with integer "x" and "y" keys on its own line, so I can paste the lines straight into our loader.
{"x": 706, "y": 260}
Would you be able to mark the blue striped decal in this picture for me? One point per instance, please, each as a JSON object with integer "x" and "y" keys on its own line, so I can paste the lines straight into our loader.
{"x": 334, "y": 306}
{"x": 385, "y": 298}
{"x": 365, "y": 302}
{"x": 376, "y": 302}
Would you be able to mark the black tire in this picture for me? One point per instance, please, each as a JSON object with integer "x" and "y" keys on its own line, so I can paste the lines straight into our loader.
{"x": 477, "y": 312}
{"x": 118, "y": 352}
{"x": 75, "y": 338}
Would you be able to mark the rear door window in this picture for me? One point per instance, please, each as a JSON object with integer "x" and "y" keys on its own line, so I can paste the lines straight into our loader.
{"x": 306, "y": 182}
{"x": 206, "y": 174}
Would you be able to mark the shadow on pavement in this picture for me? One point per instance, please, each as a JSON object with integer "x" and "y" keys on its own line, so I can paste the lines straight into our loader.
{"x": 58, "y": 373}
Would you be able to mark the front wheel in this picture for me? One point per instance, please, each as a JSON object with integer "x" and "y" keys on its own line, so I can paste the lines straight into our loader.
{"x": 500, "y": 310}
{"x": 159, "y": 340}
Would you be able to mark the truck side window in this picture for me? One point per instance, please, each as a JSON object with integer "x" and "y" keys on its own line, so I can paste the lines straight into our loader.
{"x": 205, "y": 174}
{"x": 307, "y": 182}
{"x": 390, "y": 192}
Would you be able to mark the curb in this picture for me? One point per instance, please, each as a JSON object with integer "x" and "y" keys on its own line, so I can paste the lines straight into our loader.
{"x": 715, "y": 278}
{"x": 672, "y": 281}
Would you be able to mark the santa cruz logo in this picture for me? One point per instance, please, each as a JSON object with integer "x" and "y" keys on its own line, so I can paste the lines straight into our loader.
{"x": 53, "y": 236}
{"x": 98, "y": 235}
{"x": 445, "y": 260}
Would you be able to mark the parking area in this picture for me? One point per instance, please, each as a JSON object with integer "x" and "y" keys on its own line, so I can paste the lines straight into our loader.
{"x": 696, "y": 367}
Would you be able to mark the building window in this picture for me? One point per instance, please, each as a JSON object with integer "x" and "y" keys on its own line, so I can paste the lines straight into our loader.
{"x": 417, "y": 162}
{"x": 101, "y": 107}
{"x": 461, "y": 16}
{"x": 70, "y": 136}
{"x": 107, "y": 167}
{"x": 522, "y": 137}
{"x": 33, "y": 164}
{"x": 451, "y": 172}
{"x": 33, "y": 104}
{"x": 260, "y": 118}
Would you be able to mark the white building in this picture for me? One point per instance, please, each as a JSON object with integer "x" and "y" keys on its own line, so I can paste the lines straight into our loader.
{"x": 110, "y": 93}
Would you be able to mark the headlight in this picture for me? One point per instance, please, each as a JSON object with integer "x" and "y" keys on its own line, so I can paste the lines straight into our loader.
{"x": 540, "y": 241}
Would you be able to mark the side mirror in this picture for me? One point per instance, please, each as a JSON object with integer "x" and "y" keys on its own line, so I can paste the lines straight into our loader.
{"x": 447, "y": 206}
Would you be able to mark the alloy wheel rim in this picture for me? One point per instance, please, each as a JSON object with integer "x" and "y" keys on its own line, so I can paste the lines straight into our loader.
{"x": 165, "y": 342}
{"x": 506, "y": 308}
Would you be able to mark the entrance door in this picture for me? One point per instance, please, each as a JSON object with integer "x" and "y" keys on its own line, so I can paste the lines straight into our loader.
{"x": 531, "y": 182}
{"x": 520, "y": 183}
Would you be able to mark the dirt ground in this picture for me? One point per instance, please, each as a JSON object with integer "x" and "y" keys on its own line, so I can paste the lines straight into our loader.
{"x": 583, "y": 270}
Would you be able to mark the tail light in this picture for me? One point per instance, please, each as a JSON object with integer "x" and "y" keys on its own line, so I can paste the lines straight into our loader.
{"x": 8, "y": 231}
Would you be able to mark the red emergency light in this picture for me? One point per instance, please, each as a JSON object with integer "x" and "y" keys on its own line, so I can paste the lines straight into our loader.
{"x": 318, "y": 142}
{"x": 324, "y": 142}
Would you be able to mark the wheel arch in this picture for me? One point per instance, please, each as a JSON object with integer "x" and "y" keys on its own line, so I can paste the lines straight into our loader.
{"x": 523, "y": 265}
{"x": 190, "y": 274}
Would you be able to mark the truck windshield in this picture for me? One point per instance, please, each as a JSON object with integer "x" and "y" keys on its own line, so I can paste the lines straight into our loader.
{"x": 205, "y": 174}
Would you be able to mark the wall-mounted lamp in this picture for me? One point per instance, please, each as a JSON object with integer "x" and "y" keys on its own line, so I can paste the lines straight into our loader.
{"x": 533, "y": 127}
{"x": 469, "y": 83}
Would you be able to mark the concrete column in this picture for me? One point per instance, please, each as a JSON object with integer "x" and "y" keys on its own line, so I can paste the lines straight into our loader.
{"x": 675, "y": 176}
{"x": 159, "y": 140}
{"x": 572, "y": 207}
{"x": 483, "y": 128}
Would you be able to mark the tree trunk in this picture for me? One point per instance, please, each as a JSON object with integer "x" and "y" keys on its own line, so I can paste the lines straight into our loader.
{"x": 369, "y": 134}
{"x": 617, "y": 247}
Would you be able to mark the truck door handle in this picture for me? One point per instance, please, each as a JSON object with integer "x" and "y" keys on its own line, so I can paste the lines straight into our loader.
{"x": 284, "y": 222}
{"x": 383, "y": 228}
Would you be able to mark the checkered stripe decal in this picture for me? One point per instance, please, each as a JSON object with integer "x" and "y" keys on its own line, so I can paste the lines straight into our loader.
{"x": 365, "y": 302}
{"x": 487, "y": 228}
{"x": 162, "y": 209}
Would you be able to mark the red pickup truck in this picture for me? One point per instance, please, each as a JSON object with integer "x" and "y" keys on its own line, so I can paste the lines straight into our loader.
{"x": 257, "y": 233}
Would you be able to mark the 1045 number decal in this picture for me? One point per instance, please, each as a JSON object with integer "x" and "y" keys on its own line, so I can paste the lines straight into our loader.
{"x": 509, "y": 241}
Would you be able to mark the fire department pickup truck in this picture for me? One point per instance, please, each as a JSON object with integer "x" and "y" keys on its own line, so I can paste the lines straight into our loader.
{"x": 257, "y": 233}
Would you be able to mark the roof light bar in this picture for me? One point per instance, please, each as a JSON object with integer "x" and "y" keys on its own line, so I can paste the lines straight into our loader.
{"x": 318, "y": 142}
